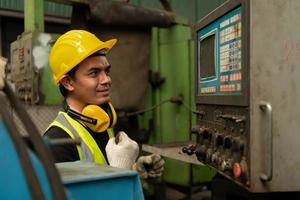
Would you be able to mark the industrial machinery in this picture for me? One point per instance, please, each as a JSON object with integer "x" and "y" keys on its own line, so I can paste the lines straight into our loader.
{"x": 30, "y": 70}
{"x": 247, "y": 93}
{"x": 167, "y": 53}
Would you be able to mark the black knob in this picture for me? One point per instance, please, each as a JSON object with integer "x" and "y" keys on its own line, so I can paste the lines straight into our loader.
{"x": 189, "y": 149}
{"x": 184, "y": 149}
{"x": 189, "y": 152}
{"x": 205, "y": 134}
{"x": 192, "y": 147}
{"x": 201, "y": 153}
{"x": 219, "y": 140}
{"x": 238, "y": 144}
{"x": 227, "y": 142}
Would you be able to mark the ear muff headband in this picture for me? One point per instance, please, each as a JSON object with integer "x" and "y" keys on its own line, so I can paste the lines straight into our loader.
{"x": 109, "y": 109}
{"x": 113, "y": 115}
{"x": 79, "y": 116}
{"x": 97, "y": 118}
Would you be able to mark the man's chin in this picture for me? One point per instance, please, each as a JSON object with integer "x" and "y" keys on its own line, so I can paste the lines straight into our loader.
{"x": 103, "y": 101}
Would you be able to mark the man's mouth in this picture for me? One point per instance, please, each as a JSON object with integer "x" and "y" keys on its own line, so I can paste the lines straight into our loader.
{"x": 104, "y": 92}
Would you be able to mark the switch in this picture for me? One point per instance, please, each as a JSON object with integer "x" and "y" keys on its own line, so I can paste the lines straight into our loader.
{"x": 209, "y": 153}
{"x": 226, "y": 165}
{"x": 201, "y": 152}
{"x": 240, "y": 169}
{"x": 238, "y": 144}
{"x": 237, "y": 171}
{"x": 215, "y": 157}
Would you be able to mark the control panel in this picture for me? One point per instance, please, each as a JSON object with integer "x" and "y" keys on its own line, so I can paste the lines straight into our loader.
{"x": 222, "y": 129}
{"x": 222, "y": 140}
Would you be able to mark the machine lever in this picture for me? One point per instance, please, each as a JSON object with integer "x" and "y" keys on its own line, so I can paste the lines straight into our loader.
{"x": 236, "y": 118}
{"x": 267, "y": 108}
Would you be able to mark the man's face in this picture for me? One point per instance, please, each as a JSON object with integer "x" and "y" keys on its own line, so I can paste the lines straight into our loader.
{"x": 92, "y": 82}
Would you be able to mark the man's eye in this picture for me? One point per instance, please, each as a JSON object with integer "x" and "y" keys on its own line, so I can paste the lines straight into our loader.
{"x": 93, "y": 73}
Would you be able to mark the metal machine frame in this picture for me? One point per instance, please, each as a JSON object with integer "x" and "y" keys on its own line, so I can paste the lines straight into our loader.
{"x": 267, "y": 105}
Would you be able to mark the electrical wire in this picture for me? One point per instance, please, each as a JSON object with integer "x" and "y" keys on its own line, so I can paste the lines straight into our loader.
{"x": 176, "y": 100}
{"x": 147, "y": 109}
{"x": 191, "y": 110}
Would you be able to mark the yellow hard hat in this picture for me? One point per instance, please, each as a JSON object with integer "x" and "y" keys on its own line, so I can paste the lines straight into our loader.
{"x": 73, "y": 47}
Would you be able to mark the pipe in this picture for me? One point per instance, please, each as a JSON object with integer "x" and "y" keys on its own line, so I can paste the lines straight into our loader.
{"x": 122, "y": 14}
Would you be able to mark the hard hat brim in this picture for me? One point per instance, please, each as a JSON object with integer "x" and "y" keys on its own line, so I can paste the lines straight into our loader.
{"x": 106, "y": 45}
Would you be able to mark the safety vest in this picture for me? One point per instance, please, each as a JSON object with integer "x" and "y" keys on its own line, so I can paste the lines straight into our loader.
{"x": 88, "y": 148}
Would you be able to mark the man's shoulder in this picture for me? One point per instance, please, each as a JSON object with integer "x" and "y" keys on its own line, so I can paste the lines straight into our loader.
{"x": 56, "y": 132}
{"x": 61, "y": 153}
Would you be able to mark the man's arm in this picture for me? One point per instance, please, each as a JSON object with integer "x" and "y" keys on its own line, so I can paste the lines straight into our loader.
{"x": 61, "y": 153}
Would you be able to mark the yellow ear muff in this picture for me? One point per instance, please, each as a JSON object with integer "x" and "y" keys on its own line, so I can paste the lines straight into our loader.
{"x": 106, "y": 118}
{"x": 100, "y": 115}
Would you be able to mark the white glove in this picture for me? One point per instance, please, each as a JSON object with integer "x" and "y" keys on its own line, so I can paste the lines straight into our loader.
{"x": 121, "y": 153}
{"x": 151, "y": 166}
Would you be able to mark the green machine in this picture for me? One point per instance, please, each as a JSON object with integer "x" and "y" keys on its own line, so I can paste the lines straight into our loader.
{"x": 30, "y": 71}
{"x": 172, "y": 57}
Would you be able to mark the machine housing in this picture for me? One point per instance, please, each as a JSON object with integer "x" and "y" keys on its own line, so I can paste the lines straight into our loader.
{"x": 247, "y": 90}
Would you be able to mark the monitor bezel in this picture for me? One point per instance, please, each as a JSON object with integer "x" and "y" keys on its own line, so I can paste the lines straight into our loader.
{"x": 228, "y": 99}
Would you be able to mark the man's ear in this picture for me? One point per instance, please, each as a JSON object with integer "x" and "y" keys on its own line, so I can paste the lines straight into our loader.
{"x": 67, "y": 82}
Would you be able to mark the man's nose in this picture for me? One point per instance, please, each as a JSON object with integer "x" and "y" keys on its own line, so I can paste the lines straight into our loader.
{"x": 105, "y": 78}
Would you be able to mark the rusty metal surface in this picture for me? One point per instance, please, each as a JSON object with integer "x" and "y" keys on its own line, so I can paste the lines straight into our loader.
{"x": 172, "y": 151}
{"x": 120, "y": 13}
{"x": 130, "y": 65}
{"x": 70, "y": 1}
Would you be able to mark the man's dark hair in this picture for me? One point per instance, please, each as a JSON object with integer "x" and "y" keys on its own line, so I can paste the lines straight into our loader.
{"x": 71, "y": 74}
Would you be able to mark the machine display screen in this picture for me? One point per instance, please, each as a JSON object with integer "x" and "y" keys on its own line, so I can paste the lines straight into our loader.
{"x": 219, "y": 56}
{"x": 207, "y": 52}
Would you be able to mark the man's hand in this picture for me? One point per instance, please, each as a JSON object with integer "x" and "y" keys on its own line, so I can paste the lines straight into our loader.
{"x": 150, "y": 166}
{"x": 121, "y": 151}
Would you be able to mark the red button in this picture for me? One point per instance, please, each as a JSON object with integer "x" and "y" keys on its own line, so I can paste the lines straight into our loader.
{"x": 237, "y": 170}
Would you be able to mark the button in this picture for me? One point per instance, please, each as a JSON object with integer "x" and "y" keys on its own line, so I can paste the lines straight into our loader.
{"x": 237, "y": 171}
{"x": 184, "y": 149}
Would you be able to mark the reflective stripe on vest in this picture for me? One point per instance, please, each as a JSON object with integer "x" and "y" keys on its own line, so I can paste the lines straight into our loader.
{"x": 88, "y": 149}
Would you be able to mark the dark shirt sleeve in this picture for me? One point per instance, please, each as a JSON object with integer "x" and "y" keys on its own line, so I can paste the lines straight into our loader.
{"x": 61, "y": 153}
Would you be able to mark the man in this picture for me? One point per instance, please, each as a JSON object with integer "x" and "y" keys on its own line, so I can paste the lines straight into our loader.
{"x": 81, "y": 70}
